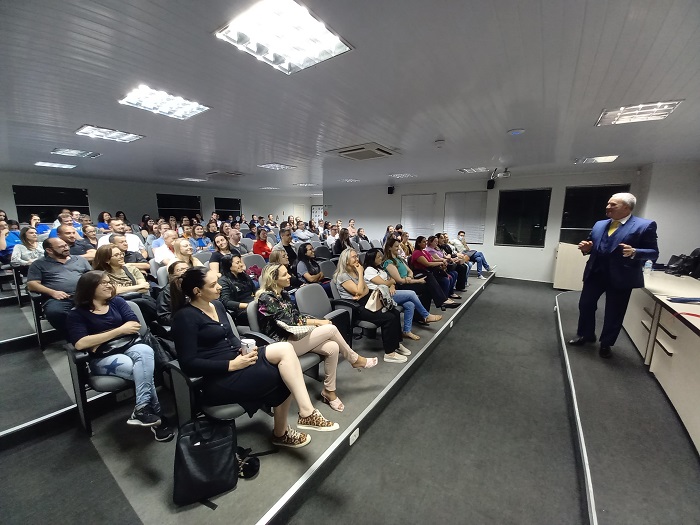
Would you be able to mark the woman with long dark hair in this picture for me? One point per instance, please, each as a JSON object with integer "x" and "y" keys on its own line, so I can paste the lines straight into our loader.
{"x": 237, "y": 287}
{"x": 350, "y": 281}
{"x": 262, "y": 377}
{"x": 28, "y": 251}
{"x": 163, "y": 310}
{"x": 342, "y": 242}
{"x": 274, "y": 304}
{"x": 100, "y": 316}
{"x": 308, "y": 269}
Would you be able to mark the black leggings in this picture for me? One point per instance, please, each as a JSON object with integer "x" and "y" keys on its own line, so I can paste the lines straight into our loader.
{"x": 389, "y": 322}
{"x": 437, "y": 294}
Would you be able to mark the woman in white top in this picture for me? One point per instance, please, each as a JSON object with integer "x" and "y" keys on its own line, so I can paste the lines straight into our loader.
{"x": 183, "y": 252}
{"x": 24, "y": 254}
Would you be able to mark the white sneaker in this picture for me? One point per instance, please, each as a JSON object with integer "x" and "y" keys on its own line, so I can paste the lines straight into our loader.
{"x": 395, "y": 357}
{"x": 403, "y": 350}
{"x": 481, "y": 277}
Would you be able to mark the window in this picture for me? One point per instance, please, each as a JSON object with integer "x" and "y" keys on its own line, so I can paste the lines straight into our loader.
{"x": 47, "y": 202}
{"x": 178, "y": 205}
{"x": 583, "y": 207}
{"x": 417, "y": 214}
{"x": 522, "y": 217}
{"x": 225, "y": 207}
{"x": 466, "y": 210}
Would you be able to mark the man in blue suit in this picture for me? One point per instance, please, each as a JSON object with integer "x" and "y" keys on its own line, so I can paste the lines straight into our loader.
{"x": 618, "y": 248}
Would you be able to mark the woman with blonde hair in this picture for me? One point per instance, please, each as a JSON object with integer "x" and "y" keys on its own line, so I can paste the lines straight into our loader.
{"x": 274, "y": 304}
{"x": 350, "y": 281}
{"x": 183, "y": 252}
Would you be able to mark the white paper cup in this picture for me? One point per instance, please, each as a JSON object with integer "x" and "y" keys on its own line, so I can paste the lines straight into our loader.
{"x": 247, "y": 345}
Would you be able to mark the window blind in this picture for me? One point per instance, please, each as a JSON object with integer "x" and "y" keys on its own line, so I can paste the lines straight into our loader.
{"x": 417, "y": 213}
{"x": 466, "y": 210}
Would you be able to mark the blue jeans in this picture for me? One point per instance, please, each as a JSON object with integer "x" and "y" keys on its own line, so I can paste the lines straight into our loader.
{"x": 410, "y": 302}
{"x": 480, "y": 262}
{"x": 136, "y": 364}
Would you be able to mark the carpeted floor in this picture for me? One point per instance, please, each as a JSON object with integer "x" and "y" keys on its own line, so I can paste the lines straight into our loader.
{"x": 479, "y": 435}
{"x": 644, "y": 467}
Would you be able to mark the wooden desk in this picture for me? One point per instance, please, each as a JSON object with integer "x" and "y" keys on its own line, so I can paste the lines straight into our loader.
{"x": 669, "y": 341}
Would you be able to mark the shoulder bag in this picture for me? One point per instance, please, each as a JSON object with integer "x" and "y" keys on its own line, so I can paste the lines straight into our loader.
{"x": 296, "y": 332}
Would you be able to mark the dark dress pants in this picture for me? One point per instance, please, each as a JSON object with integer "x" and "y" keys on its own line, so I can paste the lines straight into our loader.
{"x": 56, "y": 313}
{"x": 616, "y": 301}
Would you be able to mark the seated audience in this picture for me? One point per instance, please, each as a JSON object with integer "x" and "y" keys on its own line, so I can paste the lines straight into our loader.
{"x": 225, "y": 228}
{"x": 35, "y": 222}
{"x": 65, "y": 219}
{"x": 253, "y": 233}
{"x": 286, "y": 245}
{"x": 376, "y": 276}
{"x": 77, "y": 246}
{"x": 350, "y": 280}
{"x": 325, "y": 231}
{"x": 274, "y": 304}
{"x": 460, "y": 244}
{"x": 212, "y": 230}
{"x": 184, "y": 221}
{"x": 57, "y": 222}
{"x": 261, "y": 246}
{"x": 271, "y": 221}
{"x": 200, "y": 242}
{"x": 183, "y": 252}
{"x": 342, "y": 242}
{"x": 90, "y": 235}
{"x": 426, "y": 287}
{"x": 351, "y": 228}
{"x": 131, "y": 259}
{"x": 278, "y": 256}
{"x": 122, "y": 217}
{"x": 388, "y": 233}
{"x": 309, "y": 271}
{"x": 55, "y": 277}
{"x": 134, "y": 241}
{"x": 405, "y": 246}
{"x": 263, "y": 377}
{"x": 221, "y": 248}
{"x": 163, "y": 310}
{"x": 313, "y": 228}
{"x": 100, "y": 317}
{"x": 301, "y": 234}
{"x": 172, "y": 222}
{"x": 166, "y": 253}
{"x": 332, "y": 236}
{"x": 160, "y": 240}
{"x": 146, "y": 228}
{"x": 129, "y": 282}
{"x": 8, "y": 240}
{"x": 361, "y": 236}
{"x": 27, "y": 251}
{"x": 455, "y": 261}
{"x": 237, "y": 287}
{"x": 234, "y": 238}
{"x": 103, "y": 222}
{"x": 422, "y": 261}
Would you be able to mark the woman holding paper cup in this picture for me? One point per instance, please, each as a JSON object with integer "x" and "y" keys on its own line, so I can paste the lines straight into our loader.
{"x": 264, "y": 376}
{"x": 274, "y": 304}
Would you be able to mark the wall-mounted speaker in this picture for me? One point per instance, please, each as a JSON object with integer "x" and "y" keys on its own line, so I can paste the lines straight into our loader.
{"x": 390, "y": 190}
{"x": 490, "y": 184}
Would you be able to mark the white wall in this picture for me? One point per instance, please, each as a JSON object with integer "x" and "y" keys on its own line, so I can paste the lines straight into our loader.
{"x": 135, "y": 199}
{"x": 374, "y": 209}
{"x": 674, "y": 203}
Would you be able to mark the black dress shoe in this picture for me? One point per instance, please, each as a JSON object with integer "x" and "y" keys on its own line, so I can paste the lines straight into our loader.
{"x": 605, "y": 352}
{"x": 580, "y": 340}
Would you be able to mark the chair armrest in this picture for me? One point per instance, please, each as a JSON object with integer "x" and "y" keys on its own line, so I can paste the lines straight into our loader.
{"x": 192, "y": 382}
{"x": 259, "y": 338}
{"x": 337, "y": 314}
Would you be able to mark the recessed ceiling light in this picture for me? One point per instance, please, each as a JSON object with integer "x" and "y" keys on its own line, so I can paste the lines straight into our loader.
{"x": 639, "y": 113}
{"x": 402, "y": 176}
{"x": 55, "y": 165}
{"x": 107, "y": 134}
{"x": 317, "y": 194}
{"x": 276, "y": 166}
{"x": 162, "y": 103}
{"x": 516, "y": 131}
{"x": 283, "y": 34}
{"x": 269, "y": 188}
{"x": 473, "y": 170}
{"x": 349, "y": 181}
{"x": 305, "y": 184}
{"x": 593, "y": 160}
{"x": 189, "y": 179}
{"x": 74, "y": 153}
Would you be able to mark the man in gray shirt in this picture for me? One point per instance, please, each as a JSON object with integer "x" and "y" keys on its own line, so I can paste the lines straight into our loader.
{"x": 55, "y": 276}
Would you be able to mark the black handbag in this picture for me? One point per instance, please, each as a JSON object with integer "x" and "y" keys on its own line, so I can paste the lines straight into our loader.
{"x": 206, "y": 463}
{"x": 117, "y": 345}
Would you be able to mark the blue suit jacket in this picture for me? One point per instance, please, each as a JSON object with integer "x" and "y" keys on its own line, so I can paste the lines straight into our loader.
{"x": 624, "y": 272}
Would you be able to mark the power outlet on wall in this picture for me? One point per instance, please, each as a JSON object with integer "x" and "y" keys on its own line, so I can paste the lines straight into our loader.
{"x": 452, "y": 323}
{"x": 354, "y": 436}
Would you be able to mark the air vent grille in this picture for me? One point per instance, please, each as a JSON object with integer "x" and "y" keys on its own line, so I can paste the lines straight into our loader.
{"x": 368, "y": 151}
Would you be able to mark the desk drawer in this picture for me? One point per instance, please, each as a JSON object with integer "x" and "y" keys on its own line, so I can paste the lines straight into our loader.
{"x": 637, "y": 322}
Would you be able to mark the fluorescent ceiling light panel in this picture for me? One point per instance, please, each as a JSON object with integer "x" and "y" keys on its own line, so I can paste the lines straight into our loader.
{"x": 473, "y": 170}
{"x": 639, "y": 113}
{"x": 317, "y": 194}
{"x": 402, "y": 176}
{"x": 75, "y": 153}
{"x": 55, "y": 165}
{"x": 269, "y": 188}
{"x": 283, "y": 34}
{"x": 107, "y": 134}
{"x": 594, "y": 160}
{"x": 349, "y": 181}
{"x": 276, "y": 166}
{"x": 189, "y": 179}
{"x": 162, "y": 103}
{"x": 305, "y": 184}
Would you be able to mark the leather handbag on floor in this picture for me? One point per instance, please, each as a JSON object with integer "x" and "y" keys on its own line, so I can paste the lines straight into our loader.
{"x": 206, "y": 463}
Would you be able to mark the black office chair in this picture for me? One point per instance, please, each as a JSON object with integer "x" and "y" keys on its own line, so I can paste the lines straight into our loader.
{"x": 366, "y": 328}
{"x": 312, "y": 300}
{"x": 323, "y": 253}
